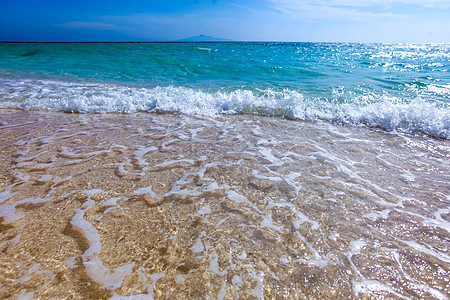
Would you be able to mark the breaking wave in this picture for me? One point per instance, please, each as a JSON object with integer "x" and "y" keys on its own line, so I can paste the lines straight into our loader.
{"x": 384, "y": 112}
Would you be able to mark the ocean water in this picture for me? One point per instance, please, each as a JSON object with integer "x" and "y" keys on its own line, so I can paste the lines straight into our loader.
{"x": 396, "y": 87}
{"x": 224, "y": 171}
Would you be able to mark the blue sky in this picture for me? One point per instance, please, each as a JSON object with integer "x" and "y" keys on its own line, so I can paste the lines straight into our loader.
{"x": 263, "y": 20}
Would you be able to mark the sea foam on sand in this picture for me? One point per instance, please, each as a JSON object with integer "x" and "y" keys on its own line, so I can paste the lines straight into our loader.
{"x": 171, "y": 205}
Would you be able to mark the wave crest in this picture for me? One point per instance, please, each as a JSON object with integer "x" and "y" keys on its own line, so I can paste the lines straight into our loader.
{"x": 387, "y": 113}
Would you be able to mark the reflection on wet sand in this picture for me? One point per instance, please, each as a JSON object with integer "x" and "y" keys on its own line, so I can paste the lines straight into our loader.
{"x": 165, "y": 206}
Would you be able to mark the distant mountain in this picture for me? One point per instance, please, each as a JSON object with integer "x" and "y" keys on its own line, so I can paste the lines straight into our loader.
{"x": 202, "y": 38}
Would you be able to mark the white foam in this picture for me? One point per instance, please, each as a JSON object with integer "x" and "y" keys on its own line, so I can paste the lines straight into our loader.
{"x": 267, "y": 154}
{"x": 284, "y": 260}
{"x": 150, "y": 287}
{"x": 377, "y": 214}
{"x": 112, "y": 201}
{"x": 257, "y": 130}
{"x": 9, "y": 210}
{"x": 315, "y": 258}
{"x": 237, "y": 282}
{"x": 198, "y": 247}
{"x": 22, "y": 153}
{"x": 15, "y": 240}
{"x": 334, "y": 236}
{"x": 34, "y": 269}
{"x": 222, "y": 292}
{"x": 45, "y": 178}
{"x": 24, "y": 163}
{"x": 154, "y": 277}
{"x": 301, "y": 217}
{"x": 146, "y": 190}
{"x": 25, "y": 295}
{"x": 206, "y": 209}
{"x": 221, "y": 222}
{"x": 141, "y": 152}
{"x": 65, "y": 151}
{"x": 260, "y": 176}
{"x": 424, "y": 249}
{"x": 414, "y": 282}
{"x": 267, "y": 222}
{"x": 438, "y": 221}
{"x": 290, "y": 179}
{"x": 355, "y": 247}
{"x": 6, "y": 194}
{"x": 6, "y": 125}
{"x": 202, "y": 171}
{"x": 195, "y": 131}
{"x": 214, "y": 264}
{"x": 57, "y": 180}
{"x": 175, "y": 161}
{"x": 381, "y": 111}
{"x": 111, "y": 279}
{"x": 258, "y": 290}
{"x": 243, "y": 255}
{"x": 368, "y": 286}
{"x": 96, "y": 153}
{"x": 70, "y": 263}
{"x": 408, "y": 176}
{"x": 213, "y": 186}
{"x": 238, "y": 198}
{"x": 164, "y": 145}
{"x": 180, "y": 278}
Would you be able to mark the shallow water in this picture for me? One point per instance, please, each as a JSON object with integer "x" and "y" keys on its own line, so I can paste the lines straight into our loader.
{"x": 178, "y": 206}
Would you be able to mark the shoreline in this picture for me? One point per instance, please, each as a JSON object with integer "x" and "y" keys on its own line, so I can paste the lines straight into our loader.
{"x": 104, "y": 205}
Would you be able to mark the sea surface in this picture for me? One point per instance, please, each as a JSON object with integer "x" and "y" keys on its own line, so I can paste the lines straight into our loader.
{"x": 224, "y": 171}
{"x": 403, "y": 87}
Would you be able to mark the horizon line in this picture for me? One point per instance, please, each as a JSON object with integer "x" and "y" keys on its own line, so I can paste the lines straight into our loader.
{"x": 208, "y": 42}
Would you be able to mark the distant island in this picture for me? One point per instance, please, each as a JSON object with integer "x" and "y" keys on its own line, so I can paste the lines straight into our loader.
{"x": 202, "y": 38}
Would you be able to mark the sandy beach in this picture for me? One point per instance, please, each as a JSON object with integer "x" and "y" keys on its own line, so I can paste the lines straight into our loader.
{"x": 94, "y": 206}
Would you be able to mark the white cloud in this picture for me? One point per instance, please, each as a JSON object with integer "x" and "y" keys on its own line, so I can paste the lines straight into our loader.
{"x": 90, "y": 25}
{"x": 349, "y": 9}
{"x": 443, "y": 4}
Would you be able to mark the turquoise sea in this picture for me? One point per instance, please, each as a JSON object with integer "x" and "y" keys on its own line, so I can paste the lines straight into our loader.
{"x": 396, "y": 87}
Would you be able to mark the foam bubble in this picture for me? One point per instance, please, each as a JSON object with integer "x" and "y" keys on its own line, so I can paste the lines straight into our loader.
{"x": 258, "y": 291}
{"x": 214, "y": 264}
{"x": 204, "y": 210}
{"x": 369, "y": 286}
{"x": 198, "y": 247}
{"x": 111, "y": 278}
{"x": 268, "y": 222}
{"x": 380, "y": 111}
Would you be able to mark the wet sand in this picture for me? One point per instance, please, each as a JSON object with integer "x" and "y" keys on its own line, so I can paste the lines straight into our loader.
{"x": 94, "y": 206}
